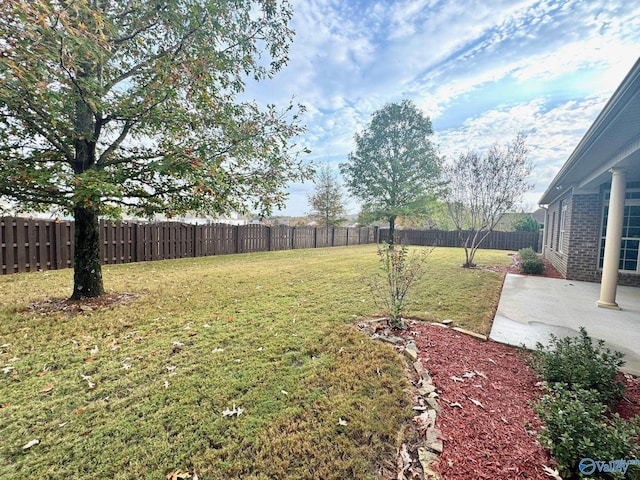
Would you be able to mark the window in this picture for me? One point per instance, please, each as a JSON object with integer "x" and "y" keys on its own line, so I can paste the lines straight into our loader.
{"x": 563, "y": 219}
{"x": 630, "y": 242}
{"x": 553, "y": 226}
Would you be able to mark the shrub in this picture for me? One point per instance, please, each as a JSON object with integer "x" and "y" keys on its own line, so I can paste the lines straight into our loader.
{"x": 577, "y": 427}
{"x": 400, "y": 271}
{"x": 578, "y": 363}
{"x": 527, "y": 253}
{"x": 530, "y": 261}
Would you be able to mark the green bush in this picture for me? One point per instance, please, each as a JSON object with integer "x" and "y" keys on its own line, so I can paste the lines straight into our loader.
{"x": 530, "y": 261}
{"x": 527, "y": 253}
{"x": 577, "y": 427}
{"x": 578, "y": 363}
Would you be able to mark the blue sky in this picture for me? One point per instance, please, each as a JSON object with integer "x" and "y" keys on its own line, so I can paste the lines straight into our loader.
{"x": 481, "y": 70}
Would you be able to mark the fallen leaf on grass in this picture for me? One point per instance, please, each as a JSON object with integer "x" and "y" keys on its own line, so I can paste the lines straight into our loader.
{"x": 284, "y": 392}
{"x": 30, "y": 444}
{"x": 48, "y": 388}
{"x": 8, "y": 369}
{"x": 166, "y": 384}
{"x": 79, "y": 410}
{"x": 217, "y": 350}
{"x": 178, "y": 475}
{"x": 235, "y": 411}
{"x": 342, "y": 422}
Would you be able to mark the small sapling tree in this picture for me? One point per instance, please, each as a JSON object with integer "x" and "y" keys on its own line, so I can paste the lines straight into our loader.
{"x": 399, "y": 273}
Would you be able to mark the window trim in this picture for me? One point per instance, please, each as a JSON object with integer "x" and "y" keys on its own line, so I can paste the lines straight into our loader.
{"x": 562, "y": 224}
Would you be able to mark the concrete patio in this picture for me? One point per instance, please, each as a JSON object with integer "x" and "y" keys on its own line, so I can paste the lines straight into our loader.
{"x": 531, "y": 308}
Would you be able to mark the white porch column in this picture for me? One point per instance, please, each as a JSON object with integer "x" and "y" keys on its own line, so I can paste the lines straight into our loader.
{"x": 612, "y": 242}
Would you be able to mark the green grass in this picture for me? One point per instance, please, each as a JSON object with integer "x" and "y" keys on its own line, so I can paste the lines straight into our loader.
{"x": 205, "y": 334}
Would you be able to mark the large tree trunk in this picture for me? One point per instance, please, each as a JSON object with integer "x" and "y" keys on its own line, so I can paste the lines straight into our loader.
{"x": 87, "y": 270}
{"x": 87, "y": 267}
{"x": 392, "y": 230}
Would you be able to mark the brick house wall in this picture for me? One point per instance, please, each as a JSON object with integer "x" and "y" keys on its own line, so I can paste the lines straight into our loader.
{"x": 584, "y": 237}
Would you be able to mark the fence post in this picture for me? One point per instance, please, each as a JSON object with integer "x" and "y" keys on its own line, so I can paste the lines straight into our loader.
{"x": 268, "y": 238}
{"x": 8, "y": 225}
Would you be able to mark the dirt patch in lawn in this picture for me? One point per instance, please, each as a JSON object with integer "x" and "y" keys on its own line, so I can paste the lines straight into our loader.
{"x": 84, "y": 306}
{"x": 485, "y": 391}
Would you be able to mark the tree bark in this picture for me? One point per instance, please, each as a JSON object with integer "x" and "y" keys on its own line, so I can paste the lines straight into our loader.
{"x": 392, "y": 230}
{"x": 87, "y": 266}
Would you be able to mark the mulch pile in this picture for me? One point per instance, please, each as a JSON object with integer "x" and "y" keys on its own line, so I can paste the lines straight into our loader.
{"x": 487, "y": 423}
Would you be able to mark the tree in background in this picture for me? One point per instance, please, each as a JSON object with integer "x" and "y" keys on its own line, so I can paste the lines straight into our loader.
{"x": 394, "y": 166}
{"x": 526, "y": 223}
{"x": 482, "y": 187}
{"x": 327, "y": 200}
{"x": 121, "y": 105}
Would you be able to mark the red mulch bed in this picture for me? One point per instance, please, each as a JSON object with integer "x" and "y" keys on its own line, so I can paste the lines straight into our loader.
{"x": 487, "y": 424}
{"x": 549, "y": 270}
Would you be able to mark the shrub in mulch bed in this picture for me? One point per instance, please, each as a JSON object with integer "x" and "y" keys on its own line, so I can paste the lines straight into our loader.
{"x": 487, "y": 422}
{"x": 583, "y": 383}
{"x": 530, "y": 262}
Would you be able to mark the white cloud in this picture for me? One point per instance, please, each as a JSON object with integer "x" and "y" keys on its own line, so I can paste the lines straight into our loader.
{"x": 487, "y": 69}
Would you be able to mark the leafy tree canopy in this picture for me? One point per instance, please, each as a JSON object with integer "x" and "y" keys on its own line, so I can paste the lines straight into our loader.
{"x": 130, "y": 104}
{"x": 526, "y": 223}
{"x": 394, "y": 166}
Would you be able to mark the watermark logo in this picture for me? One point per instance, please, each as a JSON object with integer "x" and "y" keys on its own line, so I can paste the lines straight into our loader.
{"x": 588, "y": 466}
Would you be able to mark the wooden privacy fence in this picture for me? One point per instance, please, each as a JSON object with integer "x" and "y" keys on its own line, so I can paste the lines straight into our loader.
{"x": 441, "y": 238}
{"x": 30, "y": 245}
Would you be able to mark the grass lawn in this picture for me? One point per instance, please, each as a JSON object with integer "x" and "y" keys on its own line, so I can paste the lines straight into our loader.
{"x": 138, "y": 390}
